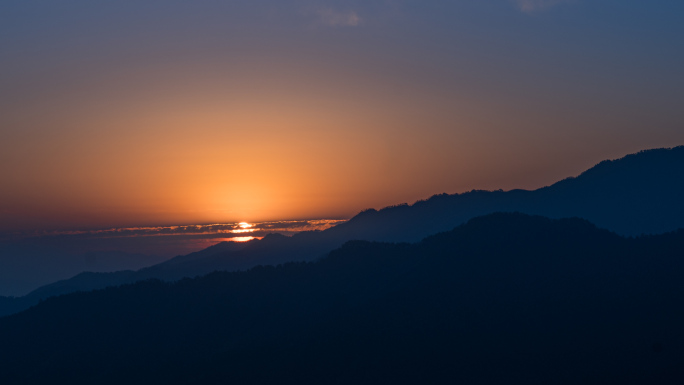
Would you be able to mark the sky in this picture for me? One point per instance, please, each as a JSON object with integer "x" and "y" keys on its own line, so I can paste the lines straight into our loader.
{"x": 153, "y": 113}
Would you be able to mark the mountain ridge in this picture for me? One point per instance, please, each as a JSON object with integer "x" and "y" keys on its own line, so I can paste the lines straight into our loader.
{"x": 636, "y": 194}
{"x": 540, "y": 300}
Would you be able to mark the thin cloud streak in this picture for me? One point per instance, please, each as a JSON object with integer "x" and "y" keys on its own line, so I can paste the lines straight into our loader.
{"x": 216, "y": 229}
{"x": 537, "y": 5}
{"x": 335, "y": 18}
{"x": 161, "y": 241}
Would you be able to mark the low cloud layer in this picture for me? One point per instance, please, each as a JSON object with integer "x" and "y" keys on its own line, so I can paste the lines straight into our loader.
{"x": 219, "y": 229}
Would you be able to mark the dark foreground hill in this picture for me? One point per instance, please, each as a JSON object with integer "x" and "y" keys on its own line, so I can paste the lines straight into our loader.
{"x": 504, "y": 299}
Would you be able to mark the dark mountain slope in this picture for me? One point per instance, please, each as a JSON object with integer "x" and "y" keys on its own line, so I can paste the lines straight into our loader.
{"x": 640, "y": 193}
{"x": 506, "y": 298}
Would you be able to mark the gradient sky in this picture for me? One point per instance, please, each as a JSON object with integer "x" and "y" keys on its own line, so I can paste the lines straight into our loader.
{"x": 132, "y": 113}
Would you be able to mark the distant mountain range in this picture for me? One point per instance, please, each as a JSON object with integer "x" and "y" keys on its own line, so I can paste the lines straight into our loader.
{"x": 503, "y": 299}
{"x": 638, "y": 194}
{"x": 26, "y": 264}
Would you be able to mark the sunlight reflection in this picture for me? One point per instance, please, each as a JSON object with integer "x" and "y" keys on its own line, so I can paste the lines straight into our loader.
{"x": 242, "y": 231}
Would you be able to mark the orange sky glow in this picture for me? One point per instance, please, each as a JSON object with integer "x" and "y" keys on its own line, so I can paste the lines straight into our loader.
{"x": 262, "y": 113}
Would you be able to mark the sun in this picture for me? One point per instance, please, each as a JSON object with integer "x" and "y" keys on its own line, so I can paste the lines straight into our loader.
{"x": 244, "y": 227}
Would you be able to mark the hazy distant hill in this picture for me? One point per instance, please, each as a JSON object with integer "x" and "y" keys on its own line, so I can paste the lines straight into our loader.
{"x": 504, "y": 299}
{"x": 640, "y": 193}
{"x": 25, "y": 265}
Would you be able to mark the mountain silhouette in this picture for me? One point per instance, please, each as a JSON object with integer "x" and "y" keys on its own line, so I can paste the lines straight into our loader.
{"x": 637, "y": 194}
{"x": 27, "y": 263}
{"x": 505, "y": 298}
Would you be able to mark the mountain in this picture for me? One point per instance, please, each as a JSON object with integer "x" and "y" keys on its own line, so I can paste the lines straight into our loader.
{"x": 637, "y": 194}
{"x": 27, "y": 264}
{"x": 640, "y": 193}
{"x": 505, "y": 298}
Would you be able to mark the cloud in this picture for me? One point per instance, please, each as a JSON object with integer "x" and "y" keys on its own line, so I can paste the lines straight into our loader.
{"x": 205, "y": 231}
{"x": 334, "y": 18}
{"x": 536, "y": 5}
